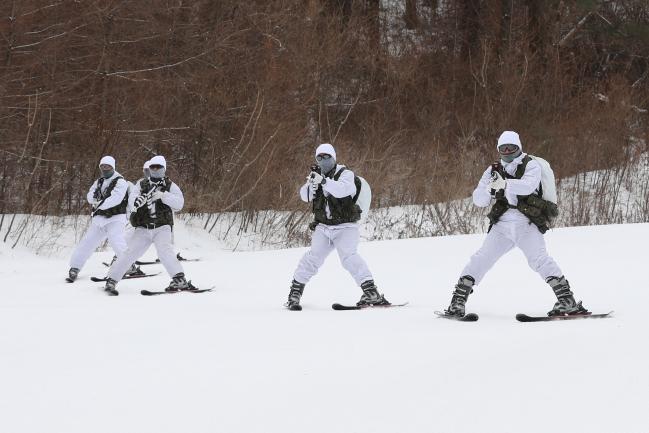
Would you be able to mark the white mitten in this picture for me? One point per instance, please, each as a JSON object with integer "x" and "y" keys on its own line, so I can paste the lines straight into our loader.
{"x": 497, "y": 182}
{"x": 156, "y": 195}
{"x": 316, "y": 179}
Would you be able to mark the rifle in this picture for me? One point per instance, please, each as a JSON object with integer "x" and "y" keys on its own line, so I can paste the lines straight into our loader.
{"x": 497, "y": 167}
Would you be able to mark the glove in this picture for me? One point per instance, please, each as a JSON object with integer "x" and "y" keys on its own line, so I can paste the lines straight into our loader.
{"x": 139, "y": 202}
{"x": 497, "y": 183}
{"x": 156, "y": 195}
{"x": 316, "y": 179}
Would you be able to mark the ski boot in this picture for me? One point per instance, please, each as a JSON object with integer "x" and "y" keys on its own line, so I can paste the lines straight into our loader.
{"x": 109, "y": 288}
{"x": 566, "y": 304}
{"x": 371, "y": 296}
{"x": 463, "y": 289}
{"x": 134, "y": 271}
{"x": 73, "y": 273}
{"x": 179, "y": 283}
{"x": 294, "y": 296}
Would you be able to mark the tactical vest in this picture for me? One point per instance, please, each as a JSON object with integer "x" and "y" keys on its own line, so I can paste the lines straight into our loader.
{"x": 540, "y": 212}
{"x": 99, "y": 195}
{"x": 164, "y": 215}
{"x": 342, "y": 210}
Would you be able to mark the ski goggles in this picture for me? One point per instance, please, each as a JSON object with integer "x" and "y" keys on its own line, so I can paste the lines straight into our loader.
{"x": 322, "y": 156}
{"x": 507, "y": 149}
{"x": 155, "y": 167}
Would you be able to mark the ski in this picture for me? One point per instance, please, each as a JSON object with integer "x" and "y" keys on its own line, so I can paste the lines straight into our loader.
{"x": 471, "y": 317}
{"x": 139, "y": 263}
{"x": 162, "y": 292}
{"x": 341, "y": 307}
{"x": 157, "y": 261}
{"x": 132, "y": 277}
{"x": 526, "y": 318}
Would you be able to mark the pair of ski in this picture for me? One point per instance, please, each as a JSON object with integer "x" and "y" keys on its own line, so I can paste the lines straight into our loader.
{"x": 164, "y": 292}
{"x": 128, "y": 277}
{"x": 341, "y": 307}
{"x": 472, "y": 317}
{"x": 161, "y": 292}
{"x": 157, "y": 261}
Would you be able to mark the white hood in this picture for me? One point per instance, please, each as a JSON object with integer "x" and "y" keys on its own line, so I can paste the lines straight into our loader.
{"x": 509, "y": 137}
{"x": 108, "y": 160}
{"x": 326, "y": 148}
{"x": 158, "y": 160}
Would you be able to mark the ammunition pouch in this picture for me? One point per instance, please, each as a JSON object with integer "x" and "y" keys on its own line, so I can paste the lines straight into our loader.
{"x": 539, "y": 211}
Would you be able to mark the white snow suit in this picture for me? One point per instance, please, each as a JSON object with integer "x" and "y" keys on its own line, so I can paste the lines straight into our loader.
{"x": 102, "y": 227}
{"x": 142, "y": 238}
{"x": 513, "y": 229}
{"x": 343, "y": 237}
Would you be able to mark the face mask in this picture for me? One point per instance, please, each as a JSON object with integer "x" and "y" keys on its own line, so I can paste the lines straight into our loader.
{"x": 107, "y": 173}
{"x": 157, "y": 174}
{"x": 326, "y": 163}
{"x": 146, "y": 172}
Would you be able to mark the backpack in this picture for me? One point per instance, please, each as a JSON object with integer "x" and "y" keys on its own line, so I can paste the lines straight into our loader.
{"x": 548, "y": 183}
{"x": 363, "y": 196}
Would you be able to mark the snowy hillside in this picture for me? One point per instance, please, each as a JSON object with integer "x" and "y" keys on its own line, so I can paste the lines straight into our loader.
{"x": 74, "y": 360}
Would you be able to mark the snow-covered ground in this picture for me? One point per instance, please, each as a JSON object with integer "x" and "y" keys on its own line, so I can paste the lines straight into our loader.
{"x": 74, "y": 360}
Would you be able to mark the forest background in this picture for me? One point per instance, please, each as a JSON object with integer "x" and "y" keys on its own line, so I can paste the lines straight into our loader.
{"x": 236, "y": 94}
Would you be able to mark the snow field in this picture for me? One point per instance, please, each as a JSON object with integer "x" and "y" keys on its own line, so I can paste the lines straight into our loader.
{"x": 75, "y": 360}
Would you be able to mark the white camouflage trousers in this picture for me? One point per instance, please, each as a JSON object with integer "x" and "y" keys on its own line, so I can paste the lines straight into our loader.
{"x": 506, "y": 235}
{"x": 141, "y": 240}
{"x": 94, "y": 237}
{"x": 325, "y": 239}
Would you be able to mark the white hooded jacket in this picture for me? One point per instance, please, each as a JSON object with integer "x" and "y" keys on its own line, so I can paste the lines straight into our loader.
{"x": 173, "y": 198}
{"x": 526, "y": 185}
{"x": 116, "y": 197}
{"x": 340, "y": 188}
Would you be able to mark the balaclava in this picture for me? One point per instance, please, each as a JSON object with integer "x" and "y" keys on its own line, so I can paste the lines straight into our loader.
{"x": 325, "y": 164}
{"x": 107, "y": 160}
{"x": 158, "y": 174}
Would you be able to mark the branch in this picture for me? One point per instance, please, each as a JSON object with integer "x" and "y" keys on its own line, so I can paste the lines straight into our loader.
{"x": 145, "y": 131}
{"x": 574, "y": 30}
{"x": 261, "y": 176}
{"x": 347, "y": 116}
{"x": 33, "y": 157}
{"x": 48, "y": 38}
{"x": 156, "y": 68}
